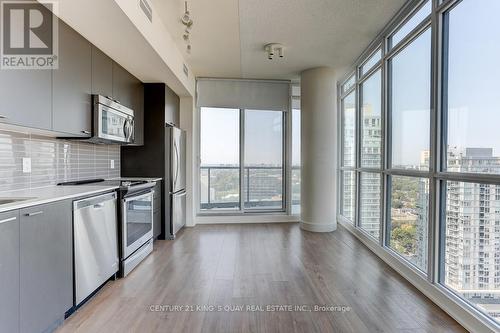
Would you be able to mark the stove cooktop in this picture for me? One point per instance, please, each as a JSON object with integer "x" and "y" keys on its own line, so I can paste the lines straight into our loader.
{"x": 122, "y": 183}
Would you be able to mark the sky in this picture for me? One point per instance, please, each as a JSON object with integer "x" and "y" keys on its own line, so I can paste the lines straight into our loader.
{"x": 263, "y": 137}
{"x": 411, "y": 73}
{"x": 474, "y": 74}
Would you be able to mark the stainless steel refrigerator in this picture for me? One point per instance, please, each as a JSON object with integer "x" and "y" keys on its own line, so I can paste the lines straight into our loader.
{"x": 175, "y": 167}
{"x": 163, "y": 154}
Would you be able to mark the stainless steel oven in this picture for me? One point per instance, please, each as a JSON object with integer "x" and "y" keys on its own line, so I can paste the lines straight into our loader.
{"x": 136, "y": 228}
{"x": 137, "y": 212}
{"x": 112, "y": 121}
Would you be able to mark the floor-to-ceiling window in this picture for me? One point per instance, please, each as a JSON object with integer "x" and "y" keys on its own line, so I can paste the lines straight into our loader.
{"x": 348, "y": 150}
{"x": 246, "y": 146}
{"x": 409, "y": 113}
{"x": 370, "y": 180}
{"x": 471, "y": 148}
{"x": 420, "y": 161}
{"x": 242, "y": 160}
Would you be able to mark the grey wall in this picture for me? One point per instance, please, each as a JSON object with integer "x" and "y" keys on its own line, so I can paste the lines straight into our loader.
{"x": 52, "y": 160}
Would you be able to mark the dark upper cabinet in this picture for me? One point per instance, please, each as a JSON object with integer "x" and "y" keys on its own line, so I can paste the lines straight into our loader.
{"x": 60, "y": 100}
{"x": 123, "y": 85}
{"x": 72, "y": 83}
{"x": 138, "y": 107}
{"x": 129, "y": 91}
{"x": 102, "y": 73}
{"x": 9, "y": 272}
{"x": 172, "y": 109}
{"x": 46, "y": 265}
{"x": 26, "y": 97}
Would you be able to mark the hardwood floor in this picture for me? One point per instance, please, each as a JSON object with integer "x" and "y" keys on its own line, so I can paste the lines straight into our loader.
{"x": 260, "y": 264}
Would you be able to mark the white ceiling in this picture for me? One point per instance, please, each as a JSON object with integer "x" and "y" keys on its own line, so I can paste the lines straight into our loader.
{"x": 228, "y": 36}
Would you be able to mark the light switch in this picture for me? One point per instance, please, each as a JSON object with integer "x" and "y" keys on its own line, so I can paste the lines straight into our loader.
{"x": 112, "y": 164}
{"x": 26, "y": 165}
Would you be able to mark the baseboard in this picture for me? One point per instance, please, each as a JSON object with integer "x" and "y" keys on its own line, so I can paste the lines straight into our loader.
{"x": 238, "y": 219}
{"x": 318, "y": 227}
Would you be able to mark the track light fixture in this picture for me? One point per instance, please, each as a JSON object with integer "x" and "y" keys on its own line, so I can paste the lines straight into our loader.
{"x": 273, "y": 49}
{"x": 186, "y": 18}
{"x": 188, "y": 22}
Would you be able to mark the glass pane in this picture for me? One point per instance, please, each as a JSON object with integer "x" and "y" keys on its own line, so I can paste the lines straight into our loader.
{"x": 263, "y": 180}
{"x": 295, "y": 161}
{"x": 371, "y": 121}
{"x": 139, "y": 218}
{"x": 348, "y": 84}
{"x": 411, "y": 24}
{"x": 473, "y": 96}
{"x": 410, "y": 104}
{"x": 371, "y": 62}
{"x": 349, "y": 130}
{"x": 220, "y": 156}
{"x": 370, "y": 195}
{"x": 472, "y": 244}
{"x": 408, "y": 223}
{"x": 348, "y": 191}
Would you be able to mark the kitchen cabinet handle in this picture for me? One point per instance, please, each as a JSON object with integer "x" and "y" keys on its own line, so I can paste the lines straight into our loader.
{"x": 2, "y": 117}
{"x": 86, "y": 132}
{"x": 8, "y": 220}
{"x": 34, "y": 214}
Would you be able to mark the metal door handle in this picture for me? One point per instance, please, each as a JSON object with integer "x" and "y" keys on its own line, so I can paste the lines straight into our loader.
{"x": 34, "y": 214}
{"x": 86, "y": 132}
{"x": 2, "y": 117}
{"x": 8, "y": 220}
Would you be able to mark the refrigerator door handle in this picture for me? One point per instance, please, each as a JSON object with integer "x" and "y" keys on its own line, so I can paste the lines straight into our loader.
{"x": 179, "y": 193}
{"x": 176, "y": 171}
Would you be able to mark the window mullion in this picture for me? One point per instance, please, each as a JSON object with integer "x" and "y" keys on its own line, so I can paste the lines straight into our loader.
{"x": 242, "y": 160}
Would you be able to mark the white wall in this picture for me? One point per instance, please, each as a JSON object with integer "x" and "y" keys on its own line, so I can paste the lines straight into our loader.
{"x": 187, "y": 111}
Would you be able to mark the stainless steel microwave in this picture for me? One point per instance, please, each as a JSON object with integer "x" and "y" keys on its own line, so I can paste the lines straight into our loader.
{"x": 113, "y": 122}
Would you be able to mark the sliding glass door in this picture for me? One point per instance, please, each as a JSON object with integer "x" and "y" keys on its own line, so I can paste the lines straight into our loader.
{"x": 263, "y": 162}
{"x": 219, "y": 159}
{"x": 241, "y": 160}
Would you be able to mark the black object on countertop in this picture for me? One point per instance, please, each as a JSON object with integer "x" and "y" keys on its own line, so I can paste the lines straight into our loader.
{"x": 82, "y": 182}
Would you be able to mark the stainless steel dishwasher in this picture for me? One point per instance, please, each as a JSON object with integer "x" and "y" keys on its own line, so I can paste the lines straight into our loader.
{"x": 95, "y": 243}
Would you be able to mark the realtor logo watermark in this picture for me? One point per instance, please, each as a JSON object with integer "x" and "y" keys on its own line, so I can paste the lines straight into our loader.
{"x": 29, "y": 35}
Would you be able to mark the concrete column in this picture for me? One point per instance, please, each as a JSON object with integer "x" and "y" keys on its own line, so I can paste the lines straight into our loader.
{"x": 318, "y": 152}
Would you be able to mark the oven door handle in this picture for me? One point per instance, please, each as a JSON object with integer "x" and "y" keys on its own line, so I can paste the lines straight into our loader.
{"x": 137, "y": 197}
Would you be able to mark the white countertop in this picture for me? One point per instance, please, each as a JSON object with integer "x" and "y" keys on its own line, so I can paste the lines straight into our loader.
{"x": 43, "y": 195}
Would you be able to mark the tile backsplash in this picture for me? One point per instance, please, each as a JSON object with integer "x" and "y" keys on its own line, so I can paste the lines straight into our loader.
{"x": 52, "y": 160}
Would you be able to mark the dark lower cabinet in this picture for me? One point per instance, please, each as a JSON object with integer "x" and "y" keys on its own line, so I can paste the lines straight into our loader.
{"x": 72, "y": 84}
{"x": 46, "y": 266}
{"x": 9, "y": 272}
{"x": 157, "y": 210}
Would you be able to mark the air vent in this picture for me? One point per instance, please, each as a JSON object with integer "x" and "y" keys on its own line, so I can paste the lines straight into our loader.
{"x": 185, "y": 69}
{"x": 147, "y": 9}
